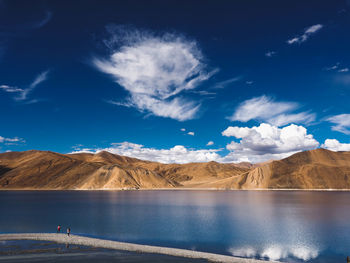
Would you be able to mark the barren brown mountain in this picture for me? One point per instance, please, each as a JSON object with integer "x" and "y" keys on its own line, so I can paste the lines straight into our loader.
{"x": 317, "y": 169}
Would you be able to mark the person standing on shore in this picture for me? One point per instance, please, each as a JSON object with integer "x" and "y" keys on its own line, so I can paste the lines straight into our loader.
{"x": 68, "y": 231}
{"x": 58, "y": 228}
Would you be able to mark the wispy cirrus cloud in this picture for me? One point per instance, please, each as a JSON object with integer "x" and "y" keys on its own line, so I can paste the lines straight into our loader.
{"x": 11, "y": 31}
{"x": 305, "y": 36}
{"x": 266, "y": 109}
{"x": 341, "y": 123}
{"x": 337, "y": 68}
{"x": 343, "y": 70}
{"x": 22, "y": 94}
{"x": 18, "y": 29}
{"x": 42, "y": 22}
{"x": 10, "y": 141}
{"x": 10, "y": 89}
{"x": 155, "y": 70}
{"x": 227, "y": 82}
{"x": 334, "y": 67}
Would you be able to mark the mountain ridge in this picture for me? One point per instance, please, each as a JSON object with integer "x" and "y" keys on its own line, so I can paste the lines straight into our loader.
{"x": 46, "y": 170}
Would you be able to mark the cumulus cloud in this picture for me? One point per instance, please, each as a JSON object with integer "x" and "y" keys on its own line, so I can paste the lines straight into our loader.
{"x": 22, "y": 94}
{"x": 191, "y": 133}
{"x": 183, "y": 129}
{"x": 176, "y": 154}
{"x": 255, "y": 144}
{"x": 265, "y": 109}
{"x": 335, "y": 145}
{"x": 342, "y": 123}
{"x": 266, "y": 142}
{"x": 155, "y": 70}
{"x": 307, "y": 33}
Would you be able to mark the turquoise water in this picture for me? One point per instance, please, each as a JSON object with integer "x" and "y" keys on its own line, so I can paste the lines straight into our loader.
{"x": 293, "y": 226}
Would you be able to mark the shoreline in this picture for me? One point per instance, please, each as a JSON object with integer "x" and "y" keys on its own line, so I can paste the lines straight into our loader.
{"x": 181, "y": 189}
{"x": 122, "y": 246}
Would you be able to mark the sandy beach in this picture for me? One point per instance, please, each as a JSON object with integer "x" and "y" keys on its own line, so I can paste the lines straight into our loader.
{"x": 108, "y": 244}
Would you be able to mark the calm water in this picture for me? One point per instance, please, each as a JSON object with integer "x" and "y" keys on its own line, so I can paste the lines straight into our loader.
{"x": 290, "y": 226}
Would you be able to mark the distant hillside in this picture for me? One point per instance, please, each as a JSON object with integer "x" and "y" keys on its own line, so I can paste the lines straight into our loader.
{"x": 316, "y": 169}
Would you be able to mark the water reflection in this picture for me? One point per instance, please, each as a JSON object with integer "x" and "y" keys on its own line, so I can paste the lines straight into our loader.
{"x": 288, "y": 225}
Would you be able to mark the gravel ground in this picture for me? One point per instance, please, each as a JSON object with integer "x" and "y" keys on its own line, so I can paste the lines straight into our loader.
{"x": 108, "y": 244}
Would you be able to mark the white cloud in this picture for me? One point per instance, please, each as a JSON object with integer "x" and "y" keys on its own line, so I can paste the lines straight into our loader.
{"x": 307, "y": 33}
{"x": 335, "y": 145}
{"x": 265, "y": 109}
{"x": 338, "y": 68}
{"x": 265, "y": 142}
{"x": 210, "y": 143}
{"x": 10, "y": 89}
{"x": 204, "y": 92}
{"x": 257, "y": 144}
{"x": 22, "y": 94}
{"x": 43, "y": 22}
{"x": 343, "y": 70}
{"x": 334, "y": 67}
{"x": 225, "y": 83}
{"x": 342, "y": 123}
{"x": 155, "y": 70}
{"x": 191, "y": 133}
{"x": 183, "y": 129}
{"x": 11, "y": 140}
{"x": 13, "y": 29}
{"x": 176, "y": 154}
{"x": 249, "y": 82}
{"x": 270, "y": 53}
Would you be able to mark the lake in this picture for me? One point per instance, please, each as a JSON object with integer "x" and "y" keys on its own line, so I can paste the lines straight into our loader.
{"x": 293, "y": 226}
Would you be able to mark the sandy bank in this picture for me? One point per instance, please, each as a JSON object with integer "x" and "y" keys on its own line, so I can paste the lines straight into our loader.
{"x": 101, "y": 243}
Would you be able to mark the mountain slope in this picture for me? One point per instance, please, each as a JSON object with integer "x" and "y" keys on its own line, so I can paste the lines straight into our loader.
{"x": 49, "y": 170}
{"x": 316, "y": 169}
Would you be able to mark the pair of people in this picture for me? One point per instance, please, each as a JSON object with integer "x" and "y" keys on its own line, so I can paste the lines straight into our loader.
{"x": 59, "y": 230}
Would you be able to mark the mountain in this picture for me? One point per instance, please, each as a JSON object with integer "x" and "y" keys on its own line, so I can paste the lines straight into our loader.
{"x": 316, "y": 169}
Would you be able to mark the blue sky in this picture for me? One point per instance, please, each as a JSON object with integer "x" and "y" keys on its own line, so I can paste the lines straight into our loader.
{"x": 175, "y": 81}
